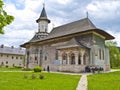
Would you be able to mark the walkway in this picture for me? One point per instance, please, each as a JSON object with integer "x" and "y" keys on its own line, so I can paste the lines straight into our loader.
{"x": 82, "y": 85}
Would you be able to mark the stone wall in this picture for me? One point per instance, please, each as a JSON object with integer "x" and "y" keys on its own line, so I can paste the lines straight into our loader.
{"x": 72, "y": 68}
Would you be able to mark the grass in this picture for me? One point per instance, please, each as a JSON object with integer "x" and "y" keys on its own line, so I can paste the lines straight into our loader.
{"x": 115, "y": 67}
{"x": 105, "y": 81}
{"x": 10, "y": 69}
{"x": 51, "y": 81}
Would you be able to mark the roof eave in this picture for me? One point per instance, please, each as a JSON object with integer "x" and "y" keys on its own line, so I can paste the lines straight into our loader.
{"x": 104, "y": 33}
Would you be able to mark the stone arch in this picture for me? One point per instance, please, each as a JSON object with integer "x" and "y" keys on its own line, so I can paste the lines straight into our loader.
{"x": 72, "y": 58}
{"x": 85, "y": 58}
{"x": 64, "y": 58}
{"x": 27, "y": 62}
{"x": 79, "y": 59}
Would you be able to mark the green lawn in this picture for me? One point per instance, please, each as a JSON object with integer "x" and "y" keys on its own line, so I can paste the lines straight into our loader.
{"x": 9, "y": 69}
{"x": 52, "y": 81}
{"x": 105, "y": 81}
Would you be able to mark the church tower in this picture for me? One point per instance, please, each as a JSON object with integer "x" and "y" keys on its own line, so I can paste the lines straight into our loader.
{"x": 43, "y": 22}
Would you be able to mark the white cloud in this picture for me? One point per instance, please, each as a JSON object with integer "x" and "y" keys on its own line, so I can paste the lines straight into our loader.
{"x": 63, "y": 2}
{"x": 16, "y": 37}
{"x": 104, "y": 9}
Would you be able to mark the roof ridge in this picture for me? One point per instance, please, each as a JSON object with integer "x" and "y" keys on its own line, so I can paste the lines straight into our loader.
{"x": 89, "y": 21}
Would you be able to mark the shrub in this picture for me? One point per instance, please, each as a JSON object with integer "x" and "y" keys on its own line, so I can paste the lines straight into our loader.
{"x": 99, "y": 69}
{"x": 41, "y": 76}
{"x": 37, "y": 69}
{"x": 25, "y": 76}
{"x": 33, "y": 76}
{"x": 17, "y": 67}
{"x": 6, "y": 66}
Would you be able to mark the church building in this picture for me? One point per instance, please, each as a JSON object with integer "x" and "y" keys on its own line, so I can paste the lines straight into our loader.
{"x": 68, "y": 48}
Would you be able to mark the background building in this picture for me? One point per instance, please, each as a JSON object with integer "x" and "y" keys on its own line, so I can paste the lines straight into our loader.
{"x": 11, "y": 56}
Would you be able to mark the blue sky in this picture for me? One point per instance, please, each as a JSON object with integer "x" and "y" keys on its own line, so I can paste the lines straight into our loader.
{"x": 105, "y": 14}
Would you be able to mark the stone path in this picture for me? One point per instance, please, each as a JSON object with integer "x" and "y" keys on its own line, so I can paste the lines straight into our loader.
{"x": 82, "y": 85}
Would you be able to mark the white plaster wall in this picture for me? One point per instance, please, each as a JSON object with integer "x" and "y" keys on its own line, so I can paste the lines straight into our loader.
{"x": 8, "y": 58}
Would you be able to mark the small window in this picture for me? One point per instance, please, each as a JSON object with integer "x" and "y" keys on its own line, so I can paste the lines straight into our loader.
{"x": 6, "y": 62}
{"x": 36, "y": 58}
{"x": 40, "y": 51}
{"x": 56, "y": 54}
{"x": 20, "y": 57}
{"x": 45, "y": 57}
{"x": 103, "y": 54}
{"x": 12, "y": 57}
{"x": 2, "y": 63}
{"x": 16, "y": 57}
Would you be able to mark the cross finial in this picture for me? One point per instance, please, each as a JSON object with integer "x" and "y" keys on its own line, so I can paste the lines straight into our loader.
{"x": 44, "y": 3}
{"x": 87, "y": 14}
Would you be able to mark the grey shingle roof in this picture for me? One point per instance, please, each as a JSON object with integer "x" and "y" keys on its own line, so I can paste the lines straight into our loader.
{"x": 43, "y": 13}
{"x": 76, "y": 27}
{"x": 72, "y": 43}
{"x": 11, "y": 50}
{"x": 79, "y": 26}
{"x": 71, "y": 28}
{"x": 39, "y": 36}
{"x": 43, "y": 16}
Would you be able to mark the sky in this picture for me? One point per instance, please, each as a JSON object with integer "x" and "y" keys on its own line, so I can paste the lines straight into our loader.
{"x": 105, "y": 14}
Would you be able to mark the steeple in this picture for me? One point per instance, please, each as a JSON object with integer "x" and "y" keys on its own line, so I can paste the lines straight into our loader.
{"x": 43, "y": 15}
{"x": 43, "y": 22}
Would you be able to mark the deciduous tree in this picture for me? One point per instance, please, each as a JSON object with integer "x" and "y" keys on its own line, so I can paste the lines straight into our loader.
{"x": 114, "y": 53}
{"x": 5, "y": 19}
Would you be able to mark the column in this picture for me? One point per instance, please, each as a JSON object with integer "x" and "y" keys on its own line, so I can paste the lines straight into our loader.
{"x": 68, "y": 58}
{"x": 60, "y": 56}
{"x": 82, "y": 54}
{"x": 81, "y": 59}
{"x": 76, "y": 58}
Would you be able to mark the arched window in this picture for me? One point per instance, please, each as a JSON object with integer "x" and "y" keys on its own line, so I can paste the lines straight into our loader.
{"x": 85, "y": 58}
{"x": 79, "y": 60}
{"x": 72, "y": 57}
{"x": 6, "y": 62}
{"x": 28, "y": 58}
{"x": 64, "y": 58}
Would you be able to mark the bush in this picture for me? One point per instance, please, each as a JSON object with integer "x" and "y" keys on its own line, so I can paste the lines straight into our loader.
{"x": 37, "y": 69}
{"x": 17, "y": 67}
{"x": 99, "y": 69}
{"x": 41, "y": 76}
{"x": 6, "y": 66}
{"x": 33, "y": 76}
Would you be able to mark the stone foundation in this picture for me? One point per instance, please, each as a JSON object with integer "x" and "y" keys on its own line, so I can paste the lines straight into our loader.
{"x": 69, "y": 68}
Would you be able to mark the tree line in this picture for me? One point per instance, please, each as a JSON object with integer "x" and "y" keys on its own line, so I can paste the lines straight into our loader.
{"x": 114, "y": 53}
